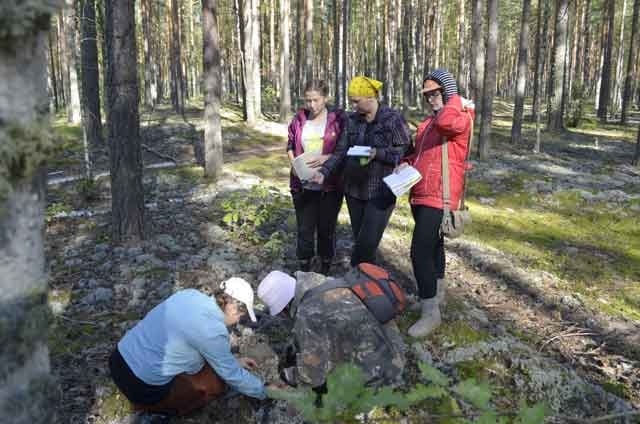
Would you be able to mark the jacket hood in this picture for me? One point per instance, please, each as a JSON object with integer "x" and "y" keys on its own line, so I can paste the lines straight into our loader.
{"x": 446, "y": 80}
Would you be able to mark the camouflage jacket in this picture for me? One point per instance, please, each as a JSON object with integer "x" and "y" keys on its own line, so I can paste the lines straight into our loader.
{"x": 335, "y": 327}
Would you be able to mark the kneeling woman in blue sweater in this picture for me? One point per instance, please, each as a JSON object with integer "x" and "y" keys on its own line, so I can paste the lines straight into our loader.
{"x": 178, "y": 358}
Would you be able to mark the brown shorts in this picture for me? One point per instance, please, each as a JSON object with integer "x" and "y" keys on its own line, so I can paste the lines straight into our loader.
{"x": 188, "y": 393}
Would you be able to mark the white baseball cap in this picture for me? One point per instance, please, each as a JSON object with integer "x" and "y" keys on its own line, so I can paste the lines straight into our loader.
{"x": 240, "y": 290}
{"x": 276, "y": 290}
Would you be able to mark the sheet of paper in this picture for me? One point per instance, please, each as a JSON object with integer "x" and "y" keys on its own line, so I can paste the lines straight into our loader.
{"x": 359, "y": 151}
{"x": 303, "y": 171}
{"x": 402, "y": 181}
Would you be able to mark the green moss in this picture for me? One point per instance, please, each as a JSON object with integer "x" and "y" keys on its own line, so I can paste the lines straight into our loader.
{"x": 115, "y": 406}
{"x": 20, "y": 18}
{"x": 65, "y": 338}
{"x": 56, "y": 208}
{"x": 459, "y": 333}
{"x": 192, "y": 174}
{"x": 616, "y": 388}
{"x": 23, "y": 325}
{"x": 273, "y": 166}
{"x": 23, "y": 149}
{"x": 157, "y": 273}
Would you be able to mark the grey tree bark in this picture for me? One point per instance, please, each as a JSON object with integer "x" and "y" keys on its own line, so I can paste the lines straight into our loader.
{"x": 406, "y": 56}
{"x": 619, "y": 81}
{"x": 308, "y": 30}
{"x": 70, "y": 20}
{"x": 630, "y": 77}
{"x": 28, "y": 392}
{"x": 127, "y": 197}
{"x": 177, "y": 93}
{"x": 636, "y": 156}
{"x": 213, "y": 158}
{"x": 477, "y": 61}
{"x": 521, "y": 73}
{"x": 558, "y": 68}
{"x": 489, "y": 85}
{"x": 541, "y": 54}
{"x": 150, "y": 89}
{"x": 605, "y": 85}
{"x": 338, "y": 34}
{"x": 54, "y": 73}
{"x": 285, "y": 65}
{"x": 91, "y": 116}
{"x": 251, "y": 42}
{"x": 462, "y": 50}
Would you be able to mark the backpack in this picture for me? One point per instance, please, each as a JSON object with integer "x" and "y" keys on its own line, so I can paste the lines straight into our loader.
{"x": 372, "y": 284}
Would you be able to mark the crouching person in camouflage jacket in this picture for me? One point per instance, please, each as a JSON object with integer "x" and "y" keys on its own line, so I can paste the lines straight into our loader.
{"x": 331, "y": 328}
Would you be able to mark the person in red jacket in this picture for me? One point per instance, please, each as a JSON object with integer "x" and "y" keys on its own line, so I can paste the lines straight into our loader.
{"x": 451, "y": 118}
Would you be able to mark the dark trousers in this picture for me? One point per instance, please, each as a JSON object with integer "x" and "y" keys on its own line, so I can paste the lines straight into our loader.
{"x": 316, "y": 212}
{"x": 427, "y": 249}
{"x": 368, "y": 221}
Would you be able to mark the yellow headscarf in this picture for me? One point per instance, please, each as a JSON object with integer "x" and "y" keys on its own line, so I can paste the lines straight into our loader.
{"x": 361, "y": 86}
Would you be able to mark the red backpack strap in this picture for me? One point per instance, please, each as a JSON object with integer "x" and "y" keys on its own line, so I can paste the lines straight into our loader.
{"x": 325, "y": 287}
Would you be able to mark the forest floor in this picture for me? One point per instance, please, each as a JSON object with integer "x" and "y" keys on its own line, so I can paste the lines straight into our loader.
{"x": 543, "y": 295}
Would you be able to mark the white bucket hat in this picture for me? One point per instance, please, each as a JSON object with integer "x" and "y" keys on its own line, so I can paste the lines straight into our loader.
{"x": 240, "y": 290}
{"x": 276, "y": 290}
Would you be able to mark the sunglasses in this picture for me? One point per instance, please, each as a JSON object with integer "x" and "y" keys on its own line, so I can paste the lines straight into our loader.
{"x": 431, "y": 94}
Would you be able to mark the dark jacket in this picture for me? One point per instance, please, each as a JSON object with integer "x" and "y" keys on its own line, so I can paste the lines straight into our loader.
{"x": 388, "y": 133}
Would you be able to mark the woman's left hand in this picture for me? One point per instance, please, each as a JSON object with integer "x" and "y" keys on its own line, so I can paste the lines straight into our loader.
{"x": 318, "y": 162}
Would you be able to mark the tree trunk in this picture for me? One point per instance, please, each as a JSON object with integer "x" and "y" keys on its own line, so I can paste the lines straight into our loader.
{"x": 617, "y": 91}
{"x": 556, "y": 113}
{"x": 73, "y": 107}
{"x": 636, "y": 156}
{"x": 308, "y": 29}
{"x": 477, "y": 61}
{"x": 92, "y": 117}
{"x": 462, "y": 49}
{"x": 541, "y": 47}
{"x": 52, "y": 69}
{"x": 521, "y": 73}
{"x": 251, "y": 53}
{"x": 605, "y": 85}
{"x": 297, "y": 83}
{"x": 127, "y": 197}
{"x": 406, "y": 56}
{"x": 388, "y": 67}
{"x": 212, "y": 90}
{"x": 149, "y": 99}
{"x": 29, "y": 393}
{"x": 285, "y": 86}
{"x": 337, "y": 57}
{"x": 177, "y": 94}
{"x": 627, "y": 95}
{"x": 489, "y": 86}
{"x": 346, "y": 22}
{"x": 272, "y": 42}
{"x": 586, "y": 63}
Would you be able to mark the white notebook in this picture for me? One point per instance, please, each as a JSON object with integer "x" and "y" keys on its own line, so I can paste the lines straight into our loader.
{"x": 400, "y": 182}
{"x": 303, "y": 171}
{"x": 359, "y": 151}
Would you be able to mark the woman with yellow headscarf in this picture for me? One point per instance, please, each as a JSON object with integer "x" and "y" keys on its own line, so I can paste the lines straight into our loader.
{"x": 369, "y": 200}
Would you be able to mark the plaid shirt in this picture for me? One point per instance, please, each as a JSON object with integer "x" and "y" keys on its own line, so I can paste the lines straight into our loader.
{"x": 388, "y": 133}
